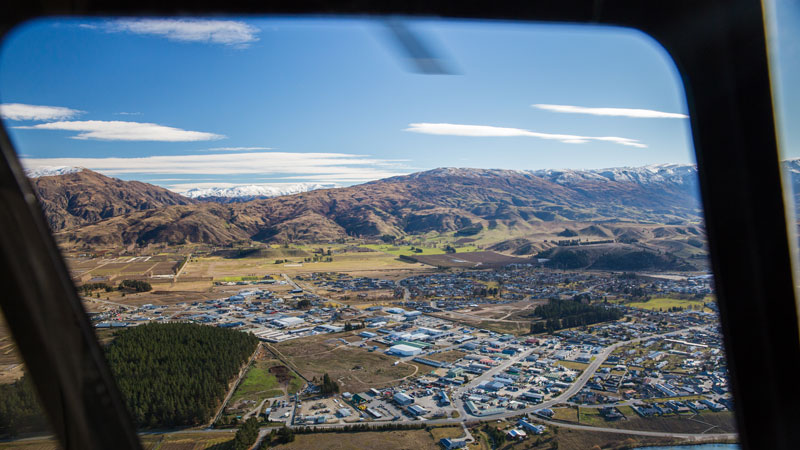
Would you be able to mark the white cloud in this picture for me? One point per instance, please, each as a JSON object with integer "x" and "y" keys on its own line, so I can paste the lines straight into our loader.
{"x": 614, "y": 112}
{"x": 227, "y": 32}
{"x": 116, "y": 130}
{"x": 449, "y": 129}
{"x": 21, "y": 111}
{"x": 237, "y": 149}
{"x": 123, "y": 113}
{"x": 311, "y": 167}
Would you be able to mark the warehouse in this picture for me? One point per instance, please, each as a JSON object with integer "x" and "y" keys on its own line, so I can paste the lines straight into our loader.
{"x": 287, "y": 322}
{"x": 402, "y": 399}
{"x": 403, "y": 350}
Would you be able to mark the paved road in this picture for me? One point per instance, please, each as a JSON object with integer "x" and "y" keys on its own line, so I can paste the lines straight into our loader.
{"x": 562, "y": 398}
{"x": 691, "y": 437}
{"x": 587, "y": 374}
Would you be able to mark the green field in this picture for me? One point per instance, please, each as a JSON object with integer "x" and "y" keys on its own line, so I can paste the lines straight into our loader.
{"x": 295, "y": 384}
{"x": 590, "y": 416}
{"x": 665, "y": 304}
{"x": 258, "y": 384}
{"x": 243, "y": 278}
{"x": 406, "y": 250}
{"x": 222, "y": 269}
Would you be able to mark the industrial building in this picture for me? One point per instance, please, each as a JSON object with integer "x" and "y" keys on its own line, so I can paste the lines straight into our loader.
{"x": 402, "y": 399}
{"x": 403, "y": 350}
{"x": 287, "y": 322}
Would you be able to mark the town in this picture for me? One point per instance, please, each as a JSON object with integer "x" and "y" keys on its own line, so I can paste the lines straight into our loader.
{"x": 461, "y": 347}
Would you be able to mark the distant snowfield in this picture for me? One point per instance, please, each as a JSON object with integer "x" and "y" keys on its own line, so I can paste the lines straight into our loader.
{"x": 655, "y": 173}
{"x": 51, "y": 171}
{"x": 254, "y": 191}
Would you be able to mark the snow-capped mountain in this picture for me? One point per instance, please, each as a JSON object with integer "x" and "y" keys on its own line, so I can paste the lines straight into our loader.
{"x": 51, "y": 171}
{"x": 656, "y": 173}
{"x": 251, "y": 192}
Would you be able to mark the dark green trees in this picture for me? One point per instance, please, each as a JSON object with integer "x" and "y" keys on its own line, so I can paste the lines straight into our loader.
{"x": 135, "y": 285}
{"x": 560, "y": 314}
{"x": 328, "y": 385}
{"x": 176, "y": 373}
{"x": 19, "y": 409}
{"x": 246, "y": 435}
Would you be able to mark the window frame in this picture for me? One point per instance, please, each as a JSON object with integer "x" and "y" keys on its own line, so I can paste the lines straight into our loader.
{"x": 720, "y": 50}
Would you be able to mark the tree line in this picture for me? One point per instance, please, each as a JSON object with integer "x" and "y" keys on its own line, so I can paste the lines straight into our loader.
{"x": 170, "y": 374}
{"x": 135, "y": 285}
{"x": 559, "y": 314}
{"x": 328, "y": 386}
{"x": 176, "y": 374}
{"x": 87, "y": 288}
{"x": 19, "y": 409}
{"x": 246, "y": 435}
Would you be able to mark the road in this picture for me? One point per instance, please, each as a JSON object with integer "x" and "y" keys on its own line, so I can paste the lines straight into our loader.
{"x": 464, "y": 417}
{"x": 242, "y": 372}
{"x": 183, "y": 266}
{"x": 291, "y": 281}
{"x": 587, "y": 375}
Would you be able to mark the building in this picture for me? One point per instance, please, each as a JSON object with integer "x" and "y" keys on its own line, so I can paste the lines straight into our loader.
{"x": 417, "y": 410}
{"x": 516, "y": 434}
{"x": 532, "y": 397}
{"x": 287, "y": 322}
{"x": 535, "y": 429}
{"x": 325, "y": 328}
{"x": 343, "y": 412}
{"x": 402, "y": 399}
{"x": 404, "y": 350}
{"x": 449, "y": 444}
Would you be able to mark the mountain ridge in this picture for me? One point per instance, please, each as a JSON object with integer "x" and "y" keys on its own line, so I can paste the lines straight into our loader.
{"x": 439, "y": 200}
{"x": 73, "y": 198}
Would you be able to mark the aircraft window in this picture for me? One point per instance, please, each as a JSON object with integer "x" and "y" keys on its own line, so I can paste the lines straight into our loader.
{"x": 446, "y": 231}
{"x": 782, "y": 20}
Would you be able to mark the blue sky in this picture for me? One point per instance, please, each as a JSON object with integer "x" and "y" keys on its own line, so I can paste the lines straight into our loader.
{"x": 220, "y": 102}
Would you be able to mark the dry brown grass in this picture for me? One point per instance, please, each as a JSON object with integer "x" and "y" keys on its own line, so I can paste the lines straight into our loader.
{"x": 383, "y": 440}
{"x": 446, "y": 432}
{"x": 448, "y": 356}
{"x": 354, "y": 368}
{"x": 43, "y": 444}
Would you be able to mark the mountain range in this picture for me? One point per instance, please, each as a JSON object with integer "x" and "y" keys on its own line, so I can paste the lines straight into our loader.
{"x": 85, "y": 207}
{"x": 250, "y": 192}
{"x": 73, "y": 197}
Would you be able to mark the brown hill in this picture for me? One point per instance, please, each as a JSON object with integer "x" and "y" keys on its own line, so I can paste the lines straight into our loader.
{"x": 76, "y": 199}
{"x": 437, "y": 200}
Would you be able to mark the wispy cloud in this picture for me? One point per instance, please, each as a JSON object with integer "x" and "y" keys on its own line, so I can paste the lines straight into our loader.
{"x": 311, "y": 167}
{"x": 21, "y": 111}
{"x": 449, "y": 129}
{"x": 237, "y": 149}
{"x": 613, "y": 112}
{"x": 116, "y": 130}
{"x": 226, "y": 32}
{"x": 124, "y": 113}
